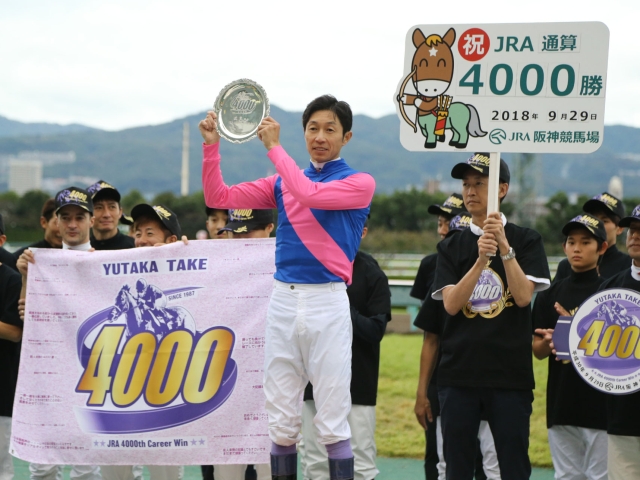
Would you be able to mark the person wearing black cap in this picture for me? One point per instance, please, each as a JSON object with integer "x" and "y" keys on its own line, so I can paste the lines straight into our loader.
{"x": 609, "y": 210}
{"x": 576, "y": 412}
{"x": 623, "y": 411}
{"x": 217, "y": 218}
{"x": 454, "y": 205}
{"x": 107, "y": 212}
{"x": 154, "y": 225}
{"x": 248, "y": 223}
{"x": 74, "y": 211}
{"x": 431, "y": 318}
{"x": 49, "y": 223}
{"x": 244, "y": 223}
{"x": 486, "y": 276}
{"x": 10, "y": 336}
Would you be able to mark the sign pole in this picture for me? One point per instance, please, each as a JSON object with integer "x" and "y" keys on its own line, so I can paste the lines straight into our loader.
{"x": 493, "y": 203}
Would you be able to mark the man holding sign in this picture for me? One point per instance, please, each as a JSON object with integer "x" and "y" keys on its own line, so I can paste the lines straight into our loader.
{"x": 623, "y": 411}
{"x": 486, "y": 276}
{"x": 321, "y": 213}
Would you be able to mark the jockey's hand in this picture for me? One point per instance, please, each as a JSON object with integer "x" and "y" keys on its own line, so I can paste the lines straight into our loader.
{"x": 208, "y": 128}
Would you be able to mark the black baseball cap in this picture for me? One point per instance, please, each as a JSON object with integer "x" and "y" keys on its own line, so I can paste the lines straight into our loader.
{"x": 242, "y": 220}
{"x": 611, "y": 205}
{"x": 168, "y": 218}
{"x": 625, "y": 222}
{"x": 102, "y": 189}
{"x": 452, "y": 206}
{"x": 589, "y": 222}
{"x": 74, "y": 196}
{"x": 480, "y": 163}
{"x": 459, "y": 223}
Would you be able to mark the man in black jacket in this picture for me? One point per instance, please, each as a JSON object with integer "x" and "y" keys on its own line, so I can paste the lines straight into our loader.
{"x": 370, "y": 300}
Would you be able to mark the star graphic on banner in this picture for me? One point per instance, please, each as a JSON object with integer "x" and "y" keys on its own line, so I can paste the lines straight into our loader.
{"x": 433, "y": 52}
{"x": 102, "y": 443}
{"x": 193, "y": 442}
{"x": 95, "y": 443}
{"x": 201, "y": 441}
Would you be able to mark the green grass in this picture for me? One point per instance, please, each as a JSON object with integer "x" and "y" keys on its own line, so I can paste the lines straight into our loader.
{"x": 398, "y": 433}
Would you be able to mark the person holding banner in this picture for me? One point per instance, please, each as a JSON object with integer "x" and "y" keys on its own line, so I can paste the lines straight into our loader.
{"x": 152, "y": 225}
{"x": 321, "y": 213}
{"x": 576, "y": 412}
{"x": 74, "y": 211}
{"x": 623, "y": 411}
{"x": 10, "y": 336}
{"x": 609, "y": 210}
{"x": 486, "y": 276}
{"x": 244, "y": 223}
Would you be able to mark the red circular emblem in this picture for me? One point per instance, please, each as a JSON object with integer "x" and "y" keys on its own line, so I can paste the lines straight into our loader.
{"x": 474, "y": 44}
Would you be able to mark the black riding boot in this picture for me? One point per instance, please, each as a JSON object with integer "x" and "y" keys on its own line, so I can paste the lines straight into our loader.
{"x": 341, "y": 469}
{"x": 284, "y": 467}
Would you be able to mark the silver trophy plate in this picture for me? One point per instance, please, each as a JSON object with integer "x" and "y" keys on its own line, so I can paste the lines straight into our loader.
{"x": 240, "y": 108}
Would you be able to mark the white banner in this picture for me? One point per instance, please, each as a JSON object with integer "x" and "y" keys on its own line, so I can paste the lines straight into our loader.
{"x": 149, "y": 356}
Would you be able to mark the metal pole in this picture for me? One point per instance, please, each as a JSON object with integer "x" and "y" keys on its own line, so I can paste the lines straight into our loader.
{"x": 184, "y": 185}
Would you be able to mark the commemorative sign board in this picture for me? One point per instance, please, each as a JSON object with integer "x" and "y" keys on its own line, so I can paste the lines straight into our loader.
{"x": 604, "y": 341}
{"x": 536, "y": 88}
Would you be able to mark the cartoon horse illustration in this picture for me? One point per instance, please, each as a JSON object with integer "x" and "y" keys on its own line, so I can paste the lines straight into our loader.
{"x": 432, "y": 75}
{"x": 137, "y": 320}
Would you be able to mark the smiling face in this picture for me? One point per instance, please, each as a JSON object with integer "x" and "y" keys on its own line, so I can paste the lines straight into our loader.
{"x": 433, "y": 62}
{"x": 581, "y": 249}
{"x": 107, "y": 214}
{"x": 324, "y": 136}
{"x": 149, "y": 231}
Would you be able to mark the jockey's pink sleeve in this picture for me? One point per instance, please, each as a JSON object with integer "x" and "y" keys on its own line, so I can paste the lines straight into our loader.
{"x": 258, "y": 194}
{"x": 355, "y": 191}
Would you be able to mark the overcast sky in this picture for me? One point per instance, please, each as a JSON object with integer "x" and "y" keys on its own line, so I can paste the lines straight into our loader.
{"x": 122, "y": 63}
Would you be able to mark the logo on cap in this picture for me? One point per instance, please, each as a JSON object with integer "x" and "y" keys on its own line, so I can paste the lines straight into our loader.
{"x": 72, "y": 196}
{"x": 478, "y": 161}
{"x": 96, "y": 187}
{"x": 162, "y": 212}
{"x": 588, "y": 221}
{"x": 240, "y": 215}
{"x": 607, "y": 199}
{"x": 454, "y": 202}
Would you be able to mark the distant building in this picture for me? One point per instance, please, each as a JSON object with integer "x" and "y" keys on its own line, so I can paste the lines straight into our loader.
{"x": 25, "y": 175}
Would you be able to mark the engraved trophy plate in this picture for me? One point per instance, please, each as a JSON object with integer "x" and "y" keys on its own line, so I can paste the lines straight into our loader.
{"x": 240, "y": 108}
